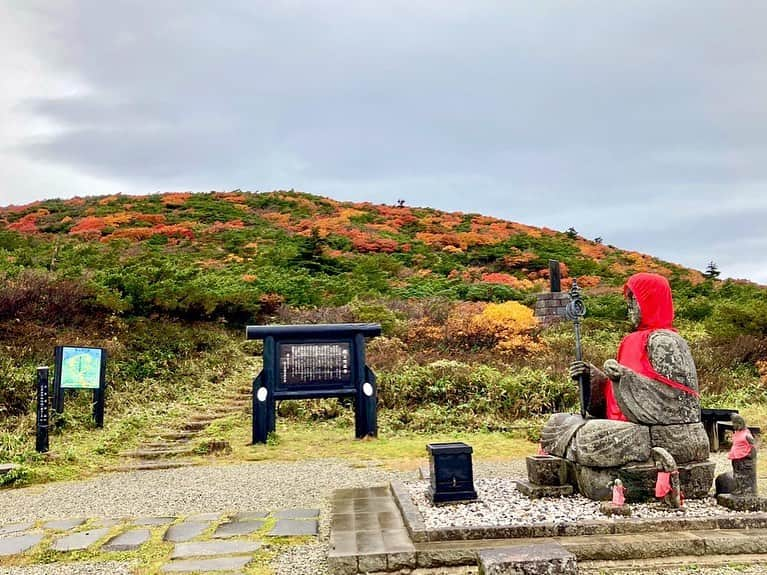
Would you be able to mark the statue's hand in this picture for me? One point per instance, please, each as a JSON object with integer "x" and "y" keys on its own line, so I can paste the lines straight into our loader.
{"x": 578, "y": 368}
{"x": 613, "y": 369}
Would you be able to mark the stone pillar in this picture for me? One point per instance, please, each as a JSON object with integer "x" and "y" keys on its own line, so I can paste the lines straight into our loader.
{"x": 550, "y": 307}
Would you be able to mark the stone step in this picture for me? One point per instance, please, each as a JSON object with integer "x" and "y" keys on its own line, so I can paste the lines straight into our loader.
{"x": 151, "y": 464}
{"x": 637, "y": 546}
{"x": 157, "y": 453}
{"x": 663, "y": 564}
{"x": 196, "y": 425}
{"x": 179, "y": 435}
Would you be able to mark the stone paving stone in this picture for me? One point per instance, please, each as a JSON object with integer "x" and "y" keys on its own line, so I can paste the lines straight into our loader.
{"x": 63, "y": 524}
{"x": 293, "y": 528}
{"x": 540, "y": 558}
{"x": 19, "y": 544}
{"x": 185, "y": 531}
{"x": 154, "y": 520}
{"x": 250, "y": 515}
{"x": 205, "y": 548}
{"x": 16, "y": 527}
{"x": 128, "y": 541}
{"x": 238, "y": 528}
{"x": 204, "y": 517}
{"x": 217, "y": 564}
{"x": 297, "y": 514}
{"x": 79, "y": 541}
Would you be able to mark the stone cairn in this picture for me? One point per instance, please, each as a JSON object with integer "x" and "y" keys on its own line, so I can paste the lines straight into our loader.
{"x": 550, "y": 306}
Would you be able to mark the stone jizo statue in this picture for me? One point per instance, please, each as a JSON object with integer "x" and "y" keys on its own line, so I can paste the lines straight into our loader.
{"x": 647, "y": 397}
{"x": 742, "y": 480}
{"x": 667, "y": 483}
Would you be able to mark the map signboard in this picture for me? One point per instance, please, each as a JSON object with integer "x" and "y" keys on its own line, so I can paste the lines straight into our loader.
{"x": 81, "y": 367}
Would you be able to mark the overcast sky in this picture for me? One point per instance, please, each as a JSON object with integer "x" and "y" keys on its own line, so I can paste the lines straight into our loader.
{"x": 643, "y": 122}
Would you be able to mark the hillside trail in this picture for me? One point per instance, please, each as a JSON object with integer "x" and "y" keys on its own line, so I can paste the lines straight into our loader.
{"x": 174, "y": 447}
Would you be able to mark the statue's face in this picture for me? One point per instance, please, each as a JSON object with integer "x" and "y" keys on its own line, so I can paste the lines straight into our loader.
{"x": 635, "y": 314}
{"x": 738, "y": 422}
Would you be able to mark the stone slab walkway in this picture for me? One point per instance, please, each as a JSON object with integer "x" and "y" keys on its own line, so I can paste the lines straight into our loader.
{"x": 199, "y": 546}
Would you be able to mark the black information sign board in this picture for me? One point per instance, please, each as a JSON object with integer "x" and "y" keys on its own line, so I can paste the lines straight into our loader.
{"x": 314, "y": 361}
{"x": 316, "y": 364}
{"x": 43, "y": 410}
{"x": 79, "y": 368}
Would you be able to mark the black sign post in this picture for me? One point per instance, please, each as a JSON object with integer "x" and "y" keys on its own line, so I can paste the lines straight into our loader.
{"x": 314, "y": 361}
{"x": 80, "y": 368}
{"x": 43, "y": 410}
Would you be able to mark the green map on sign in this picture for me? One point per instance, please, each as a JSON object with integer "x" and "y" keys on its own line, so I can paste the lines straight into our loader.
{"x": 80, "y": 368}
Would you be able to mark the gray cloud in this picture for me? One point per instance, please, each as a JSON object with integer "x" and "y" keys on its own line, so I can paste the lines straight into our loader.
{"x": 615, "y": 118}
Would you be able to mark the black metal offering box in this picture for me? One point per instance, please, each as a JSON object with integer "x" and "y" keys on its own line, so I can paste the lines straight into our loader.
{"x": 451, "y": 473}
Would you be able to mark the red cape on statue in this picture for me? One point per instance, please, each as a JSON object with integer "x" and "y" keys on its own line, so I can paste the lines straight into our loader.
{"x": 653, "y": 294}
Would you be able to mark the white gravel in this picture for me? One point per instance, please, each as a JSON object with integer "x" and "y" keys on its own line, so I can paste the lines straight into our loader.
{"x": 501, "y": 504}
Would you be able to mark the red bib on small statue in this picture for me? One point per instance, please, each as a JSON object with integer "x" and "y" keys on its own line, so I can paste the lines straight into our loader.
{"x": 653, "y": 294}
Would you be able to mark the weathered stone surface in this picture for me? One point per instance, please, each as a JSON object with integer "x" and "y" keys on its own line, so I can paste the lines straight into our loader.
{"x": 79, "y": 541}
{"x": 250, "y": 515}
{"x": 546, "y": 470}
{"x": 128, "y": 541}
{"x": 63, "y": 524}
{"x": 208, "y": 548}
{"x": 742, "y": 502}
{"x": 609, "y": 509}
{"x": 644, "y": 400}
{"x": 235, "y": 528}
{"x": 695, "y": 480}
{"x": 594, "y": 482}
{"x": 534, "y": 491}
{"x": 744, "y": 473}
{"x": 19, "y": 544}
{"x": 293, "y": 528}
{"x": 16, "y": 527}
{"x": 609, "y": 443}
{"x": 559, "y": 431}
{"x": 154, "y": 520}
{"x": 203, "y": 565}
{"x": 185, "y": 531}
{"x": 297, "y": 514}
{"x": 543, "y": 559}
{"x": 686, "y": 442}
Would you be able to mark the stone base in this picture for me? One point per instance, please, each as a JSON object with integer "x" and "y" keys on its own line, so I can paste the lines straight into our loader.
{"x": 546, "y": 470}
{"x": 607, "y": 508}
{"x": 447, "y": 497}
{"x": 742, "y": 502}
{"x": 543, "y": 559}
{"x": 695, "y": 479}
{"x": 534, "y": 491}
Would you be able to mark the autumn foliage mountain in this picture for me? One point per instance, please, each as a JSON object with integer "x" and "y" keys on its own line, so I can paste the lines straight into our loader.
{"x": 222, "y": 253}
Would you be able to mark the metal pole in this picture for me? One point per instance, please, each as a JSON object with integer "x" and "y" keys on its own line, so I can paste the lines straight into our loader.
{"x": 574, "y": 311}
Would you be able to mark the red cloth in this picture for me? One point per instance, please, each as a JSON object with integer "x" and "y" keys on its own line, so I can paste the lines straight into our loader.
{"x": 663, "y": 484}
{"x": 740, "y": 445}
{"x": 653, "y": 294}
{"x": 619, "y": 495}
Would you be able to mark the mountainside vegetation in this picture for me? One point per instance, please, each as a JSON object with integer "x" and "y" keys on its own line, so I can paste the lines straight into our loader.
{"x": 166, "y": 281}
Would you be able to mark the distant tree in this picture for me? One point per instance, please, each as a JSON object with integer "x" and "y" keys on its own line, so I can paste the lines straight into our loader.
{"x": 598, "y": 240}
{"x": 571, "y": 233}
{"x": 712, "y": 270}
{"x": 400, "y": 203}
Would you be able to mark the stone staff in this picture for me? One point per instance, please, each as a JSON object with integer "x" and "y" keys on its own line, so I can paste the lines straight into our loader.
{"x": 574, "y": 311}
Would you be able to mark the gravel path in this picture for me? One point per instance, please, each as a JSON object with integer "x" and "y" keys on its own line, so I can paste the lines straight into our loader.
{"x": 108, "y": 568}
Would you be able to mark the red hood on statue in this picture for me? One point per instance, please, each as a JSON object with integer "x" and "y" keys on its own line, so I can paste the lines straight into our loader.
{"x": 653, "y": 295}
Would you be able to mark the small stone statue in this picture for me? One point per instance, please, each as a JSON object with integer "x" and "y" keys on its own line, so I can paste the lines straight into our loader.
{"x": 667, "y": 483}
{"x": 742, "y": 481}
{"x": 617, "y": 506}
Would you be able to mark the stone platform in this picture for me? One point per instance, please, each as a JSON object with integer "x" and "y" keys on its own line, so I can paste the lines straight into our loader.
{"x": 367, "y": 534}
